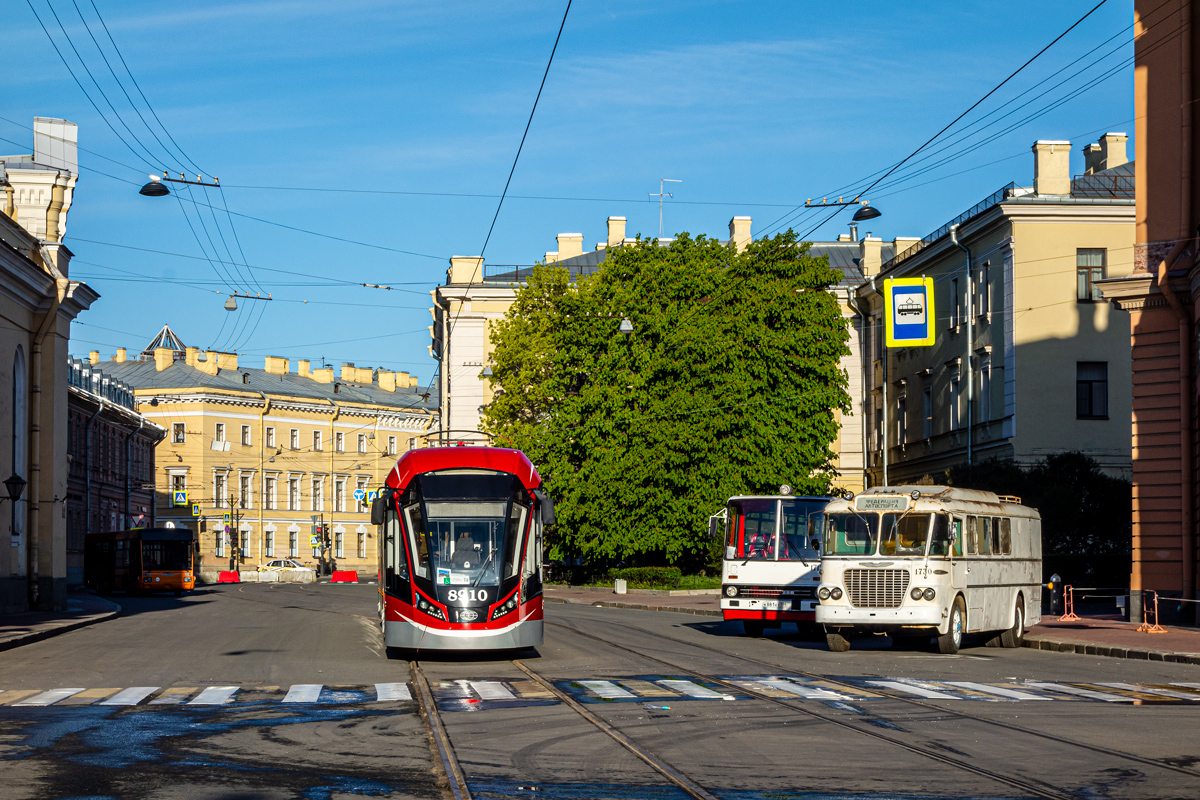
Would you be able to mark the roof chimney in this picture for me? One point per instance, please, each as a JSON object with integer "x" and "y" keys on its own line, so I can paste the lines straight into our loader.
{"x": 227, "y": 361}
{"x": 402, "y": 380}
{"x": 1051, "y": 166}
{"x": 616, "y": 231}
{"x": 570, "y": 245}
{"x": 387, "y": 380}
{"x": 1112, "y": 150}
{"x": 163, "y": 358}
{"x": 465, "y": 270}
{"x": 277, "y": 365}
{"x": 413, "y": 383}
{"x": 739, "y": 232}
{"x": 323, "y": 375}
{"x": 870, "y": 250}
{"x": 122, "y": 355}
{"x": 1091, "y": 159}
{"x": 302, "y": 367}
{"x": 190, "y": 355}
{"x": 209, "y": 364}
{"x": 93, "y": 356}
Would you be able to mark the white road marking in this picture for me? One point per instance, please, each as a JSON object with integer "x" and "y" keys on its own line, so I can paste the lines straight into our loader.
{"x": 214, "y": 696}
{"x": 48, "y": 698}
{"x": 130, "y": 697}
{"x": 695, "y": 690}
{"x": 1011, "y": 694}
{"x": 607, "y": 689}
{"x": 1078, "y": 692}
{"x": 303, "y": 693}
{"x": 917, "y": 690}
{"x": 1129, "y": 687}
{"x": 491, "y": 690}
{"x": 800, "y": 690}
{"x": 1187, "y": 685}
{"x": 385, "y": 692}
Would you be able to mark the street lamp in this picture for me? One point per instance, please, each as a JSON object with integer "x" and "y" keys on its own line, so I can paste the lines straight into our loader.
{"x": 16, "y": 487}
{"x": 626, "y": 327}
{"x": 865, "y": 213}
{"x": 157, "y": 187}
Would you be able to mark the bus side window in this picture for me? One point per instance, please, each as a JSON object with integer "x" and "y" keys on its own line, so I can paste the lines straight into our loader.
{"x": 970, "y": 536}
{"x": 983, "y": 536}
{"x": 1004, "y": 526}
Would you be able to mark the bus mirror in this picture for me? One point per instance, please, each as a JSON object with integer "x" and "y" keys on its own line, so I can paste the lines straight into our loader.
{"x": 379, "y": 509}
{"x": 714, "y": 527}
{"x": 546, "y": 506}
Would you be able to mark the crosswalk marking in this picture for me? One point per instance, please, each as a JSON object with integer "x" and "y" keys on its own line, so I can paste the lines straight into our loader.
{"x": 1011, "y": 694}
{"x": 130, "y": 697}
{"x": 647, "y": 689}
{"x": 695, "y": 690}
{"x": 173, "y": 696}
{"x": 919, "y": 691}
{"x": 1188, "y": 685}
{"x": 491, "y": 690}
{"x": 214, "y": 696}
{"x": 1066, "y": 688}
{"x": 386, "y": 692}
{"x": 1129, "y": 687}
{"x": 607, "y": 689}
{"x": 87, "y": 697}
{"x": 303, "y": 693}
{"x": 47, "y": 698}
{"x": 801, "y": 690}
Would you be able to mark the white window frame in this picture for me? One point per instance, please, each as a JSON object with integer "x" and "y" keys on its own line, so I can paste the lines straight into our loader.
{"x": 178, "y": 433}
{"x": 271, "y": 492}
{"x": 363, "y": 505}
{"x": 219, "y": 432}
{"x": 339, "y": 442}
{"x": 219, "y": 546}
{"x": 295, "y": 499}
{"x": 317, "y": 498}
{"x": 268, "y": 541}
{"x": 270, "y": 436}
{"x": 246, "y": 440}
{"x": 294, "y": 439}
{"x": 293, "y": 542}
{"x": 985, "y": 388}
{"x": 339, "y": 543}
{"x": 955, "y": 393}
{"x": 220, "y": 488}
{"x": 362, "y": 443}
{"x": 339, "y": 495}
{"x": 246, "y": 498}
{"x": 391, "y": 451}
{"x": 362, "y": 542}
{"x": 318, "y": 444}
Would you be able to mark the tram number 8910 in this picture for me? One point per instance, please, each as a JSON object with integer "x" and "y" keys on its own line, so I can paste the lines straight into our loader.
{"x": 467, "y": 595}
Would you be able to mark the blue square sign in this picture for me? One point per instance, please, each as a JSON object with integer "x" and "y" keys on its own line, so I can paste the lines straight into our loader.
{"x": 909, "y": 312}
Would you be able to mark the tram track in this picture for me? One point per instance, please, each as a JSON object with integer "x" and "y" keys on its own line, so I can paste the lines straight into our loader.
{"x": 784, "y": 670}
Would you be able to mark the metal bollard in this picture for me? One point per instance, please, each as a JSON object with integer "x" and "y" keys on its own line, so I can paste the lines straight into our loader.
{"x": 1056, "y": 595}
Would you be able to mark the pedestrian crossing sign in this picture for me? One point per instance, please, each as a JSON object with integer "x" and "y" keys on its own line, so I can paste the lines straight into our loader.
{"x": 195, "y": 509}
{"x": 908, "y": 312}
{"x": 372, "y": 496}
{"x": 179, "y": 498}
{"x": 227, "y": 519}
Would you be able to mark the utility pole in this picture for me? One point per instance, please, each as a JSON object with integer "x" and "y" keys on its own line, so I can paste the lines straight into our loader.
{"x": 661, "y": 194}
{"x": 232, "y": 530}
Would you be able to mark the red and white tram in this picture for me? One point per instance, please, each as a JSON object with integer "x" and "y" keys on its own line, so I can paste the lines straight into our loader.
{"x": 460, "y": 550}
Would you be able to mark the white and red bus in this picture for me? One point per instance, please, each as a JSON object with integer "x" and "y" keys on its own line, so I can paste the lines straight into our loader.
{"x": 460, "y": 550}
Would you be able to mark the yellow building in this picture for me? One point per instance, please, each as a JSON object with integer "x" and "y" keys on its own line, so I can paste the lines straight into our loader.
{"x": 1028, "y": 359}
{"x": 272, "y": 448}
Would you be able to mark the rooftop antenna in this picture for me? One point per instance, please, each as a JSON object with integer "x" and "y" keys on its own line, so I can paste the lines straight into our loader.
{"x": 661, "y": 194}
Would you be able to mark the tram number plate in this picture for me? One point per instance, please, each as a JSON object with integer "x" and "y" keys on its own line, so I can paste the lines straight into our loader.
{"x": 467, "y": 595}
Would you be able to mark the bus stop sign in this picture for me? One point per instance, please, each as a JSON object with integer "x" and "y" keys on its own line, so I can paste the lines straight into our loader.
{"x": 908, "y": 312}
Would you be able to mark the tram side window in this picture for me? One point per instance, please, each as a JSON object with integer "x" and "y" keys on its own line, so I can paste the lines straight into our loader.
{"x": 415, "y": 522}
{"x": 512, "y": 541}
{"x": 393, "y": 544}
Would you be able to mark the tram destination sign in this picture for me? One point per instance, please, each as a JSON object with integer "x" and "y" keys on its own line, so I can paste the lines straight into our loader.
{"x": 874, "y": 502}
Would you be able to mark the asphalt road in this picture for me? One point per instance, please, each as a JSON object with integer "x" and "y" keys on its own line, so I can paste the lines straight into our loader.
{"x": 283, "y": 690}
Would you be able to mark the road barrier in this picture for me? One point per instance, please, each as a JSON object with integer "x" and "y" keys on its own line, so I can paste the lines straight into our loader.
{"x": 228, "y": 576}
{"x": 344, "y": 576}
{"x": 1069, "y": 600}
{"x": 1146, "y": 627}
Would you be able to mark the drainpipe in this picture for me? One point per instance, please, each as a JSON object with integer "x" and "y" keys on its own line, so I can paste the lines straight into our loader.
{"x": 87, "y": 463}
{"x": 883, "y": 445}
{"x": 852, "y": 302}
{"x": 262, "y": 475}
{"x": 33, "y": 550}
{"x": 1186, "y": 185}
{"x": 970, "y": 341}
{"x": 128, "y": 439}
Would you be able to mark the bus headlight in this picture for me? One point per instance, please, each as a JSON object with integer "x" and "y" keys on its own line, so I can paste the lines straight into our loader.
{"x": 917, "y": 593}
{"x": 823, "y": 593}
{"x": 731, "y": 591}
{"x": 836, "y": 593}
{"x": 930, "y": 594}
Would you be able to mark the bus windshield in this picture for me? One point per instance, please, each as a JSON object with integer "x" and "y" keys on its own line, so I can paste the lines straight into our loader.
{"x": 851, "y": 534}
{"x": 166, "y": 556}
{"x": 904, "y": 534}
{"x": 752, "y": 528}
{"x": 801, "y": 529}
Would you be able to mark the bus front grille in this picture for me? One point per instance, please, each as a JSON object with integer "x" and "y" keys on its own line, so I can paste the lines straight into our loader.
{"x": 876, "y": 588}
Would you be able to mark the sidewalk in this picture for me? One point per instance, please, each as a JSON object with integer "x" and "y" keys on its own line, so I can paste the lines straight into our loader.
{"x": 83, "y": 608}
{"x": 1093, "y": 636}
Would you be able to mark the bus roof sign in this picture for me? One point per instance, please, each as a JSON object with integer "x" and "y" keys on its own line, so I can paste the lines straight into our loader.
{"x": 874, "y": 502}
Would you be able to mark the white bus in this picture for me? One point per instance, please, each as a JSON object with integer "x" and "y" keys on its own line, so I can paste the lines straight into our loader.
{"x": 772, "y": 559}
{"x": 920, "y": 561}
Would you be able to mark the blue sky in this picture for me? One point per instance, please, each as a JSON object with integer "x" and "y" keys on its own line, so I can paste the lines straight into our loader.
{"x": 754, "y": 106}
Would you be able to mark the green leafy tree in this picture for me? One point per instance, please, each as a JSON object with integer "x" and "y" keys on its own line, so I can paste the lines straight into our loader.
{"x": 728, "y": 384}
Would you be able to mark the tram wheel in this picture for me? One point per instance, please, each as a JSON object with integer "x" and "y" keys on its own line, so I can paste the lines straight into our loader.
{"x": 1015, "y": 636}
{"x": 950, "y": 641}
{"x": 836, "y": 642}
{"x": 753, "y": 628}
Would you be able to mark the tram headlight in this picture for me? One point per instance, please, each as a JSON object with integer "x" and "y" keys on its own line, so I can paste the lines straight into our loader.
{"x": 823, "y": 593}
{"x": 930, "y": 593}
{"x": 507, "y": 607}
{"x": 731, "y": 591}
{"x": 917, "y": 593}
{"x": 430, "y": 609}
{"x": 836, "y": 593}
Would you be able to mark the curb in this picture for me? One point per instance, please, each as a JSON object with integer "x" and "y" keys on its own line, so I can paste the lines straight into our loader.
{"x": 1112, "y": 651}
{"x": 37, "y": 636}
{"x": 699, "y": 612}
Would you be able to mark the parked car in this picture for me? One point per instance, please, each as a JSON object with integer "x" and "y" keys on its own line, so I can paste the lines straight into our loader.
{"x": 279, "y": 564}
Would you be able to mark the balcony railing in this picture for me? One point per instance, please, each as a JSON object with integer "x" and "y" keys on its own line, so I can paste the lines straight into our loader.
{"x": 1103, "y": 186}
{"x": 999, "y": 196}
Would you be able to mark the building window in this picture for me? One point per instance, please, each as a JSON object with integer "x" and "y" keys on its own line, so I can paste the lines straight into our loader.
{"x": 362, "y": 443}
{"x": 877, "y": 327}
{"x": 317, "y": 501}
{"x": 362, "y": 487}
{"x": 391, "y": 446}
{"x": 339, "y": 442}
{"x": 339, "y": 541}
{"x": 1089, "y": 268}
{"x": 1091, "y": 390}
{"x": 985, "y": 290}
{"x": 294, "y": 494}
{"x": 362, "y": 545}
{"x": 269, "y": 493}
{"x": 954, "y": 302}
{"x": 902, "y": 421}
{"x": 412, "y": 442}
{"x": 270, "y": 436}
{"x": 985, "y": 388}
{"x": 954, "y": 392}
{"x": 219, "y": 493}
{"x": 244, "y": 542}
{"x": 220, "y": 545}
{"x": 927, "y": 413}
{"x": 269, "y": 544}
{"x": 293, "y": 544}
{"x": 245, "y": 435}
{"x": 244, "y": 491}
{"x": 339, "y": 495}
{"x": 179, "y": 483}
{"x": 178, "y": 435}
{"x": 220, "y": 434}
{"x": 316, "y": 440}
{"x": 294, "y": 439}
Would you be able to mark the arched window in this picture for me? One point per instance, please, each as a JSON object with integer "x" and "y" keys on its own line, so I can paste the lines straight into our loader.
{"x": 20, "y": 448}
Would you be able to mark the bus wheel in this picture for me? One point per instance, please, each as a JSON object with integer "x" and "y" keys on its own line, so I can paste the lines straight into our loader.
{"x": 1015, "y": 636}
{"x": 753, "y": 628}
{"x": 950, "y": 641}
{"x": 836, "y": 642}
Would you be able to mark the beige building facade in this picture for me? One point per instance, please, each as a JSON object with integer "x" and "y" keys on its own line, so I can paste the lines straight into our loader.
{"x": 272, "y": 448}
{"x": 1028, "y": 359}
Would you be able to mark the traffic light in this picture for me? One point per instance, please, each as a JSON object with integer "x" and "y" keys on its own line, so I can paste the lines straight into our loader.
{"x": 325, "y": 536}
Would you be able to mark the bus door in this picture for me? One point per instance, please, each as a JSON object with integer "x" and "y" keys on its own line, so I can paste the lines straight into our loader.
{"x": 948, "y": 543}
